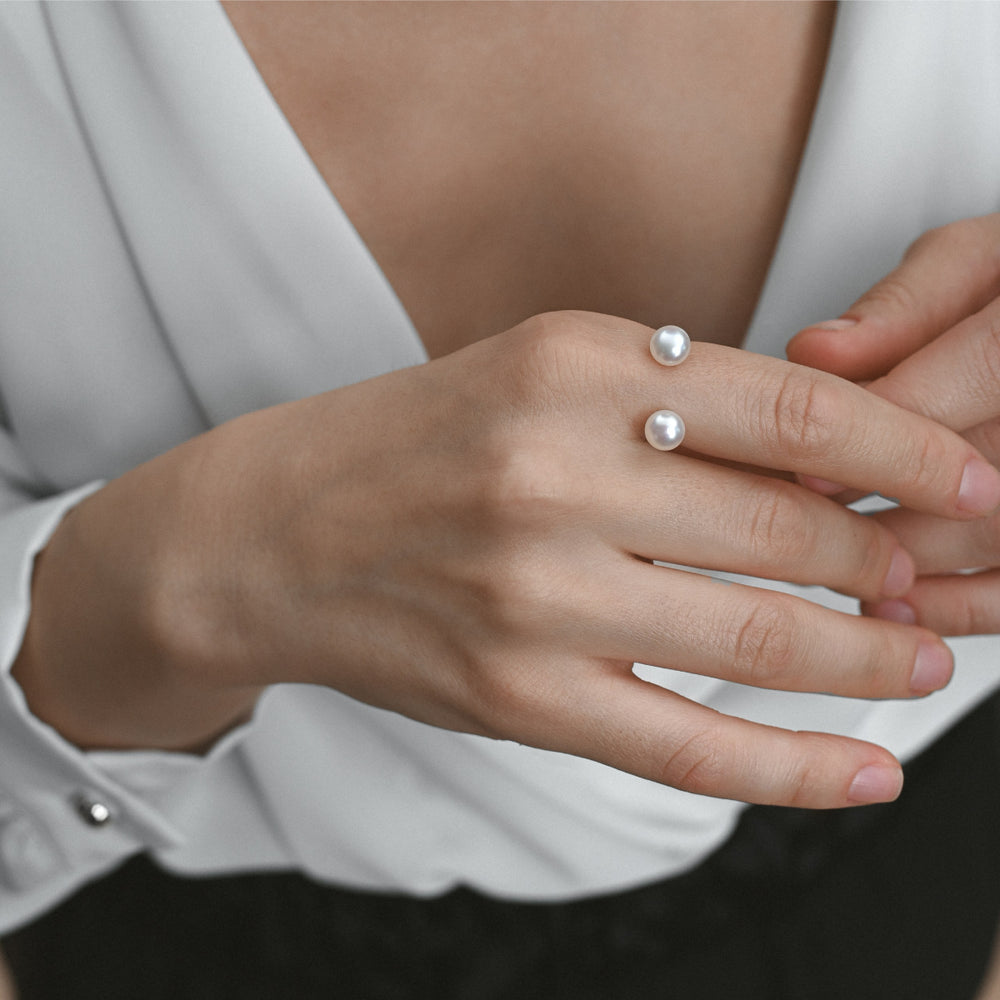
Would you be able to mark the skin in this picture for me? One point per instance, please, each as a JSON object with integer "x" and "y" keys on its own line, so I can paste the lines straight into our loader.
{"x": 507, "y": 596}
{"x": 505, "y": 160}
{"x": 7, "y": 988}
{"x": 926, "y": 338}
{"x": 470, "y": 542}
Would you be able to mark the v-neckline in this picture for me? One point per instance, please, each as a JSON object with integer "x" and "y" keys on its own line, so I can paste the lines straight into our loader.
{"x": 794, "y": 186}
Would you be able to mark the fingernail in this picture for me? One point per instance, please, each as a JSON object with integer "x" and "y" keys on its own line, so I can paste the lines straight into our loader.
{"x": 931, "y": 669}
{"x": 893, "y": 611}
{"x": 824, "y": 486}
{"x": 979, "y": 492}
{"x": 875, "y": 783}
{"x": 834, "y": 324}
{"x": 900, "y": 577}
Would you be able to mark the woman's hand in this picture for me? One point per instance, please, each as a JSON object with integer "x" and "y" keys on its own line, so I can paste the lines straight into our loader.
{"x": 471, "y": 543}
{"x": 929, "y": 337}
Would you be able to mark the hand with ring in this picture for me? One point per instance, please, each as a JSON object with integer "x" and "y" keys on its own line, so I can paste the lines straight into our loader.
{"x": 474, "y": 543}
{"x": 927, "y": 337}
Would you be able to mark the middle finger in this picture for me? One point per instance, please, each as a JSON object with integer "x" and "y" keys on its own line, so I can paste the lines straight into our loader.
{"x": 705, "y": 515}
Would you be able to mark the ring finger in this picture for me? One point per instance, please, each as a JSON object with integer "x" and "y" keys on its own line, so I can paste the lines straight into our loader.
{"x": 686, "y": 621}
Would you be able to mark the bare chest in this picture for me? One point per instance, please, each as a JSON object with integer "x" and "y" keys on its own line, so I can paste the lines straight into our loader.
{"x": 505, "y": 159}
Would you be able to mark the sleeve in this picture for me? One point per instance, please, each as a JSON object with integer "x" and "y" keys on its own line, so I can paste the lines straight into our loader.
{"x": 66, "y": 816}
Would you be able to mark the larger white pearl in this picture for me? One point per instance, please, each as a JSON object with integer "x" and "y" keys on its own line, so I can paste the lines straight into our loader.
{"x": 670, "y": 345}
{"x": 664, "y": 430}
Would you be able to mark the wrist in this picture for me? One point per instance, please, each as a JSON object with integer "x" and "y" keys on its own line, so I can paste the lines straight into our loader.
{"x": 101, "y": 658}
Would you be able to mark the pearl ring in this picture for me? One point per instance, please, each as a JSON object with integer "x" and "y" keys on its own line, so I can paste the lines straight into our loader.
{"x": 664, "y": 430}
{"x": 670, "y": 345}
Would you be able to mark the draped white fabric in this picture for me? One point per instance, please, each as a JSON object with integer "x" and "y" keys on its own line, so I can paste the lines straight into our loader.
{"x": 171, "y": 258}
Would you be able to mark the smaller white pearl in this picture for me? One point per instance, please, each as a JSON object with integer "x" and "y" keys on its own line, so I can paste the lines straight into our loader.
{"x": 664, "y": 430}
{"x": 670, "y": 345}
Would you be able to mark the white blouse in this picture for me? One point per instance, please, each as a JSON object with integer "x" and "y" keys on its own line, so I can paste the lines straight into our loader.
{"x": 171, "y": 258}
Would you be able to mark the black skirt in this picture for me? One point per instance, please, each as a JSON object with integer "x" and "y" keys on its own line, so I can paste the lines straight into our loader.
{"x": 899, "y": 900}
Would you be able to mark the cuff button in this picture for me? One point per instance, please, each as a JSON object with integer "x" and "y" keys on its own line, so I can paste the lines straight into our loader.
{"x": 92, "y": 810}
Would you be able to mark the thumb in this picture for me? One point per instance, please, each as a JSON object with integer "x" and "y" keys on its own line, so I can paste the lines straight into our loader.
{"x": 946, "y": 275}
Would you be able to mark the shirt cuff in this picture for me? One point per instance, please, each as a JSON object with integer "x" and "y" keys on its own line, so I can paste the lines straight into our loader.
{"x": 66, "y": 815}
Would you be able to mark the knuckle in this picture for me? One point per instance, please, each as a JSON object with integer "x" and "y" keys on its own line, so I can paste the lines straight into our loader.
{"x": 872, "y": 556}
{"x": 524, "y": 482}
{"x": 763, "y": 647}
{"x": 498, "y": 694}
{"x": 777, "y": 527}
{"x": 807, "y": 414}
{"x": 988, "y": 367}
{"x": 986, "y": 438}
{"x": 883, "y": 664}
{"x": 801, "y": 792}
{"x": 495, "y": 696}
{"x": 698, "y": 765}
{"x": 933, "y": 239}
{"x": 552, "y": 358}
{"x": 971, "y": 240}
{"x": 969, "y": 618}
{"x": 980, "y": 602}
{"x": 960, "y": 605}
{"x": 934, "y": 463}
{"x": 892, "y": 294}
{"x": 521, "y": 597}
{"x": 809, "y": 762}
{"x": 551, "y": 331}
{"x": 986, "y": 539}
{"x": 522, "y": 594}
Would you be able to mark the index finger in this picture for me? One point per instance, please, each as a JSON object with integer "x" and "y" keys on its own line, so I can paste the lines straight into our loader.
{"x": 955, "y": 379}
{"x": 946, "y": 275}
{"x": 784, "y": 416}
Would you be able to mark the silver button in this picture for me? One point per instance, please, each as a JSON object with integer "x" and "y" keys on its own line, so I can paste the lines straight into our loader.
{"x": 93, "y": 811}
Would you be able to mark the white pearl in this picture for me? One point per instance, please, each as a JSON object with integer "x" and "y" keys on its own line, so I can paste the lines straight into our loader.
{"x": 670, "y": 345}
{"x": 664, "y": 430}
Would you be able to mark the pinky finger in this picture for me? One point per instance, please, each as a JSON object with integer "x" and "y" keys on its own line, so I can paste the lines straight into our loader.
{"x": 966, "y": 604}
{"x": 654, "y": 733}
